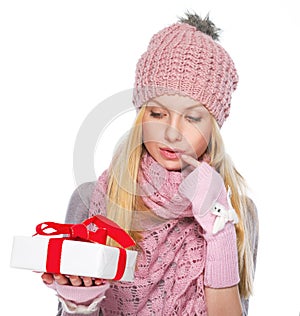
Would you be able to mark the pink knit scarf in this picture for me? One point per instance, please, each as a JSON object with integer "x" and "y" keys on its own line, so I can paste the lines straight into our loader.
{"x": 159, "y": 190}
{"x": 171, "y": 259}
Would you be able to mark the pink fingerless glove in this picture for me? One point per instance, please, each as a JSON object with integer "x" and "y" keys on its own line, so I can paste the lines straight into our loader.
{"x": 81, "y": 299}
{"x": 211, "y": 207}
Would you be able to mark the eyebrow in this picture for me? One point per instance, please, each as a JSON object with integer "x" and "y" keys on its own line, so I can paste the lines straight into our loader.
{"x": 198, "y": 105}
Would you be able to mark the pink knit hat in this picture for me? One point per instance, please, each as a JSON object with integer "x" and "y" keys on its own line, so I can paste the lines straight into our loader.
{"x": 181, "y": 59}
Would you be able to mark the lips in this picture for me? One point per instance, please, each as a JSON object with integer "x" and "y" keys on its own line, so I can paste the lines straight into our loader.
{"x": 172, "y": 154}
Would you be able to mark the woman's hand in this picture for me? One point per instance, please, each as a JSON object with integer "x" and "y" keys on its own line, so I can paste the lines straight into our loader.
{"x": 192, "y": 162}
{"x": 77, "y": 294}
{"x": 205, "y": 188}
{"x": 73, "y": 280}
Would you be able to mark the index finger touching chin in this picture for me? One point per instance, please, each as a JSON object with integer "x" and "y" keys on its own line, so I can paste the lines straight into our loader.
{"x": 190, "y": 160}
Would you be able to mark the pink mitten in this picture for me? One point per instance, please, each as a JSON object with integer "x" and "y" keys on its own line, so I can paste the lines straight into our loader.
{"x": 80, "y": 299}
{"x": 211, "y": 207}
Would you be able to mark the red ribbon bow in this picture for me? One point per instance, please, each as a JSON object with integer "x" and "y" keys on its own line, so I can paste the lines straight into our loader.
{"x": 105, "y": 227}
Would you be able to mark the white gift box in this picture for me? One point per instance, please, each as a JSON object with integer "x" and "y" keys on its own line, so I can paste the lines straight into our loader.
{"x": 77, "y": 258}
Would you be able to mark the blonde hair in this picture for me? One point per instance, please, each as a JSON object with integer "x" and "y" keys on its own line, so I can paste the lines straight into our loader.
{"x": 123, "y": 198}
{"x": 122, "y": 178}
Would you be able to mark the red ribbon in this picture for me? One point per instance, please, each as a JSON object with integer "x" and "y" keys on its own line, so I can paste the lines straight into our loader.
{"x": 105, "y": 227}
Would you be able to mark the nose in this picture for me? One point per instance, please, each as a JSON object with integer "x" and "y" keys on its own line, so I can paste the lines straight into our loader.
{"x": 172, "y": 131}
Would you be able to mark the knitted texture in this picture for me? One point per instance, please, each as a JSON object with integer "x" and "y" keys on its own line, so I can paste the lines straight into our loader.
{"x": 204, "y": 187}
{"x": 172, "y": 259}
{"x": 82, "y": 301}
{"x": 169, "y": 275}
{"x": 78, "y": 209}
{"x": 182, "y": 60}
{"x": 170, "y": 267}
{"x": 83, "y": 295}
{"x": 159, "y": 190}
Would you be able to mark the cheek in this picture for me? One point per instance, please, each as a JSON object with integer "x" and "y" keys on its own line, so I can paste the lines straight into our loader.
{"x": 152, "y": 132}
{"x": 200, "y": 147}
{"x": 199, "y": 140}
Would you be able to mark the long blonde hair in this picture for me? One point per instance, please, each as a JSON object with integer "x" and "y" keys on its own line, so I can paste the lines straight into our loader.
{"x": 123, "y": 198}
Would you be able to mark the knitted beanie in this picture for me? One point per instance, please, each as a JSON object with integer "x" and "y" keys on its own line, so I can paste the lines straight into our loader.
{"x": 181, "y": 59}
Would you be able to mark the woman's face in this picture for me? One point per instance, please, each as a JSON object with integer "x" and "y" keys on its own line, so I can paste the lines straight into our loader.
{"x": 174, "y": 125}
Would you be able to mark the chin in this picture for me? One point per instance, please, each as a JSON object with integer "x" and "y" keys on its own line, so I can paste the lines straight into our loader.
{"x": 171, "y": 165}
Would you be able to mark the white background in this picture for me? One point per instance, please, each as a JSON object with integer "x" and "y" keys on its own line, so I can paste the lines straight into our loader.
{"x": 59, "y": 59}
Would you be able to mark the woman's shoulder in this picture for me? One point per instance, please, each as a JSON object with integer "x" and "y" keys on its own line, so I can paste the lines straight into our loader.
{"x": 79, "y": 203}
{"x": 86, "y": 189}
{"x": 83, "y": 192}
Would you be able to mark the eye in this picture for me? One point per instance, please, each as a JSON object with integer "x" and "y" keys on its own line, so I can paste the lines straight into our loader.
{"x": 158, "y": 115}
{"x": 192, "y": 119}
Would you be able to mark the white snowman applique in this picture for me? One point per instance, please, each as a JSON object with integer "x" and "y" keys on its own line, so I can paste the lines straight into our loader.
{"x": 223, "y": 215}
